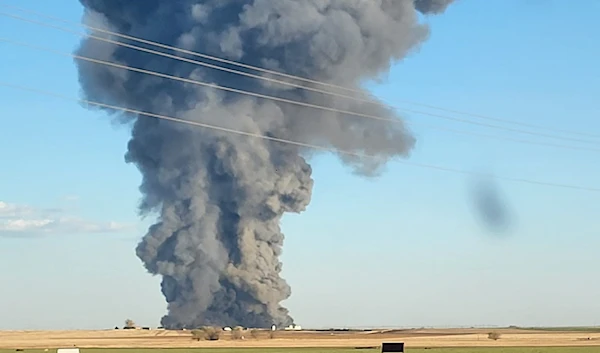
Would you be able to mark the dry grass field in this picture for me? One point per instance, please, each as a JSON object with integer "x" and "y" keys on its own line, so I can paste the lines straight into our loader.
{"x": 421, "y": 338}
{"x": 332, "y": 350}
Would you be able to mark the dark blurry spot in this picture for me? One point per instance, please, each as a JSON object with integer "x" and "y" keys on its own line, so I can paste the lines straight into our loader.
{"x": 490, "y": 206}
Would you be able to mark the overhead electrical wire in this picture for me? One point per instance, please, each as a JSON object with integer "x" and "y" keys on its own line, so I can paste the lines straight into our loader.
{"x": 278, "y": 73}
{"x": 284, "y": 100}
{"x": 286, "y": 141}
{"x": 301, "y": 144}
{"x": 271, "y": 72}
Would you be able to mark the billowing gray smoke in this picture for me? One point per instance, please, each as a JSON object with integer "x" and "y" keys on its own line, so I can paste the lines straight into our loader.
{"x": 221, "y": 196}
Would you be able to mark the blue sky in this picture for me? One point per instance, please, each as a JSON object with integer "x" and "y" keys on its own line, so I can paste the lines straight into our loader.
{"x": 415, "y": 229}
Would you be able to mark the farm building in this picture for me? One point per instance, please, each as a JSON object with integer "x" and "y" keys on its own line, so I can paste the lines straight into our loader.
{"x": 293, "y": 328}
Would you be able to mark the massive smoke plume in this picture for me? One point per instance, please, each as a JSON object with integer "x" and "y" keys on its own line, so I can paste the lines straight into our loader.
{"x": 220, "y": 196}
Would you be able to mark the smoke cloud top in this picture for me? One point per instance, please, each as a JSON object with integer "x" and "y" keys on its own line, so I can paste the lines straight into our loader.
{"x": 219, "y": 196}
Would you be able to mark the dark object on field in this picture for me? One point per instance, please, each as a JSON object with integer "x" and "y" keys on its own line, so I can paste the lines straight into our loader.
{"x": 494, "y": 336}
{"x": 206, "y": 333}
{"x": 392, "y": 347}
{"x": 128, "y": 328}
{"x": 116, "y": 327}
{"x": 198, "y": 335}
{"x": 372, "y": 347}
{"x": 145, "y": 328}
{"x": 213, "y": 335}
{"x": 20, "y": 350}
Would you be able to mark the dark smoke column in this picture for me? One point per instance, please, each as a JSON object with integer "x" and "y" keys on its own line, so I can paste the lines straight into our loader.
{"x": 220, "y": 197}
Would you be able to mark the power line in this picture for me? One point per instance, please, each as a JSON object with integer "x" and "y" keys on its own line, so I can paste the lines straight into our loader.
{"x": 277, "y": 73}
{"x": 258, "y": 76}
{"x": 280, "y": 74}
{"x": 286, "y": 141}
{"x": 238, "y": 91}
{"x": 201, "y": 83}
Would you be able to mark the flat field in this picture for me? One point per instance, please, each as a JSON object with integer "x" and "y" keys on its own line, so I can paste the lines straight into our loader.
{"x": 451, "y": 340}
{"x": 335, "y": 350}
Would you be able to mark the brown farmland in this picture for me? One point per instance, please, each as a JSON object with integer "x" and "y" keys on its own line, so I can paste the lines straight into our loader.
{"x": 413, "y": 338}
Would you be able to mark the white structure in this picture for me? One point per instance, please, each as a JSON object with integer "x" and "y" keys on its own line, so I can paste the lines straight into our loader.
{"x": 67, "y": 350}
{"x": 294, "y": 328}
{"x": 226, "y": 328}
{"x": 273, "y": 328}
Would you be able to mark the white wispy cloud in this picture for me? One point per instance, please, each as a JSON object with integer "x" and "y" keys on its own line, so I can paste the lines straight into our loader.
{"x": 24, "y": 219}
